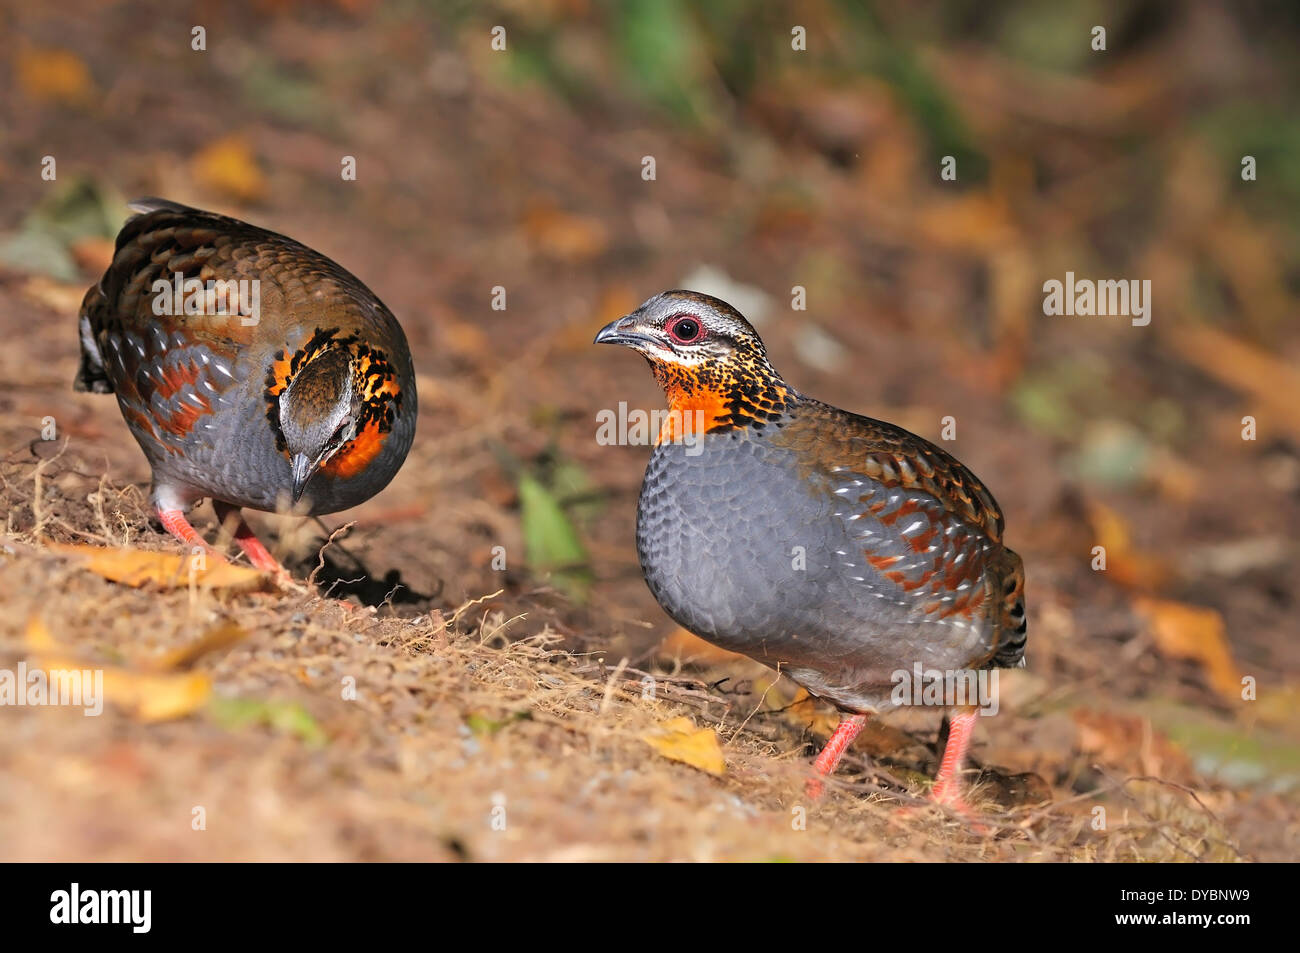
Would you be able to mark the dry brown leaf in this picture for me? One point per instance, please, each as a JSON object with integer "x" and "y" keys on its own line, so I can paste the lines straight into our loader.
{"x": 679, "y": 740}
{"x": 148, "y": 696}
{"x": 1130, "y": 743}
{"x": 466, "y": 339}
{"x": 139, "y": 568}
{"x": 93, "y": 253}
{"x": 51, "y": 75}
{"x": 229, "y": 167}
{"x": 55, "y": 295}
{"x": 1272, "y": 383}
{"x": 1012, "y": 277}
{"x": 1196, "y": 633}
{"x": 978, "y": 222}
{"x": 564, "y": 236}
{"x": 680, "y": 644}
{"x": 1125, "y": 564}
{"x": 1249, "y": 260}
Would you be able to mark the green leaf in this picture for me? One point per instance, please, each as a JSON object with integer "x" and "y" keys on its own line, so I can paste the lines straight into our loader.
{"x": 659, "y": 47}
{"x": 551, "y": 543}
{"x": 39, "y": 253}
{"x": 80, "y": 208}
{"x": 286, "y": 717}
{"x": 1240, "y": 755}
{"x": 76, "y": 209}
{"x": 482, "y": 725}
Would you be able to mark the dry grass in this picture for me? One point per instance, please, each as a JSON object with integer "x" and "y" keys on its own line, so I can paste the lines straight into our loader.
{"x": 455, "y": 714}
{"x": 930, "y": 296}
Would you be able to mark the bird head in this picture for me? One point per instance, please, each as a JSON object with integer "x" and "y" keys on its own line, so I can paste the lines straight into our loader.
{"x": 319, "y": 413}
{"x": 709, "y": 360}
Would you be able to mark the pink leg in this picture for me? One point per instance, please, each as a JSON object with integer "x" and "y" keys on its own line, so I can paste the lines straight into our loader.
{"x": 174, "y": 522}
{"x": 257, "y": 554}
{"x": 839, "y": 742}
{"x": 947, "y": 784}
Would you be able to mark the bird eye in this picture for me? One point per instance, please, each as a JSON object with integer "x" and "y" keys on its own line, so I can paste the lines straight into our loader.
{"x": 685, "y": 330}
{"x": 340, "y": 436}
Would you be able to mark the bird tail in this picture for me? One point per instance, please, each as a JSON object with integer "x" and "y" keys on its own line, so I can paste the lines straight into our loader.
{"x": 150, "y": 203}
{"x": 91, "y": 375}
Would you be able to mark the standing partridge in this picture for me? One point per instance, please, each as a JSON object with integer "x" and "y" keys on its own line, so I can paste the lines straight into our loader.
{"x": 835, "y": 548}
{"x": 250, "y": 369}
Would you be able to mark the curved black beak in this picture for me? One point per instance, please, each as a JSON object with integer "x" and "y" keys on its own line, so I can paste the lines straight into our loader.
{"x": 623, "y": 331}
{"x": 303, "y": 468}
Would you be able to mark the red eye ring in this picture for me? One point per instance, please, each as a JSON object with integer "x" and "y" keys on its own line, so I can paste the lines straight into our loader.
{"x": 685, "y": 329}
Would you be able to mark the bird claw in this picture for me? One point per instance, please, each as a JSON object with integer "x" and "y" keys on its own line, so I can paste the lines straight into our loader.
{"x": 949, "y": 796}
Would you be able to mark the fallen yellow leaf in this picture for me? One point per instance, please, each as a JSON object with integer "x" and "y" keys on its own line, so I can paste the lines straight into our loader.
{"x": 148, "y": 696}
{"x": 53, "y": 76}
{"x": 139, "y": 568}
{"x": 679, "y": 740}
{"x": 157, "y": 697}
{"x": 216, "y": 638}
{"x": 804, "y": 710}
{"x": 1196, "y": 633}
{"x": 38, "y": 637}
{"x": 228, "y": 166}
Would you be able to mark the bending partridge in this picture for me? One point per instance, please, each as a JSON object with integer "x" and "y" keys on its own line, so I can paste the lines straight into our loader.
{"x": 838, "y": 549}
{"x": 273, "y": 378}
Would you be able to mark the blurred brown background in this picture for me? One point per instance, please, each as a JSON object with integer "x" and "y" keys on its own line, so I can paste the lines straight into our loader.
{"x": 774, "y": 168}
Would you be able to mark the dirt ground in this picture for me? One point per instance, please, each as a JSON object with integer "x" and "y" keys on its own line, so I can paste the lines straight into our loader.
{"x": 462, "y": 712}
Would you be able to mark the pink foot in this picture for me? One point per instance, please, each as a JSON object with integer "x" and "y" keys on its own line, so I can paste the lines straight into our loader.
{"x": 253, "y": 548}
{"x": 947, "y": 789}
{"x": 839, "y": 742}
{"x": 950, "y": 796}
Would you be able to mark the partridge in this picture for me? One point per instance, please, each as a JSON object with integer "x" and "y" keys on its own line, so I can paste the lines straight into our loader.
{"x": 835, "y": 548}
{"x": 250, "y": 369}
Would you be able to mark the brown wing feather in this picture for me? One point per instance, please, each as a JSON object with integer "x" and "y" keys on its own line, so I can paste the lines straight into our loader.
{"x": 831, "y": 443}
{"x": 829, "y": 438}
